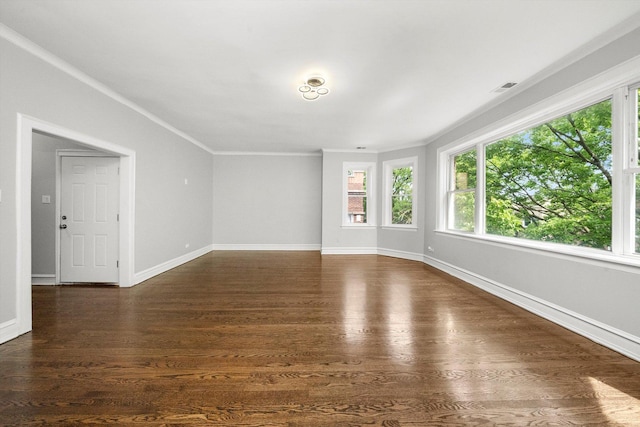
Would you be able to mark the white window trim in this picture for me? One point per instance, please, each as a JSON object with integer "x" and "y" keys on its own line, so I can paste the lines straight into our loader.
{"x": 612, "y": 84}
{"x": 387, "y": 187}
{"x": 370, "y": 167}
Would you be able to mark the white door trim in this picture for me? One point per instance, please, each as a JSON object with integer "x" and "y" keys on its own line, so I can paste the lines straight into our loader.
{"x": 25, "y": 126}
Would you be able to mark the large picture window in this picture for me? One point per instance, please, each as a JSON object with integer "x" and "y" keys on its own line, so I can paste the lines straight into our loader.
{"x": 553, "y": 182}
{"x": 572, "y": 179}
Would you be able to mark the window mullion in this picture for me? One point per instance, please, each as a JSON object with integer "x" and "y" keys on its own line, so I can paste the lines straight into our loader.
{"x": 619, "y": 226}
{"x": 622, "y": 231}
{"x": 451, "y": 179}
{"x": 480, "y": 219}
{"x": 631, "y": 165}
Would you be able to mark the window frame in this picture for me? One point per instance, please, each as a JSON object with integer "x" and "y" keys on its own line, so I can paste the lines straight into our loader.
{"x": 631, "y": 166}
{"x": 370, "y": 168}
{"x": 388, "y": 166}
{"x": 615, "y": 84}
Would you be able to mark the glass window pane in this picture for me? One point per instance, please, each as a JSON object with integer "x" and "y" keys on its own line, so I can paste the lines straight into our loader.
{"x": 357, "y": 196}
{"x": 402, "y": 196}
{"x": 463, "y": 209}
{"x": 553, "y": 182}
{"x": 357, "y": 209}
{"x": 465, "y": 170}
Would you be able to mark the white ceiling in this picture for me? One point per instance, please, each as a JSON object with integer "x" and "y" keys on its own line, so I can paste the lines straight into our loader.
{"x": 226, "y": 72}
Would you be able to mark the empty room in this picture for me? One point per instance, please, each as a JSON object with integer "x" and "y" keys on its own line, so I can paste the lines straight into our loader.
{"x": 320, "y": 212}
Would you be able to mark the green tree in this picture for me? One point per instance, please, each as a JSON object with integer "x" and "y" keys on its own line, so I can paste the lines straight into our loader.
{"x": 402, "y": 196}
{"x": 553, "y": 182}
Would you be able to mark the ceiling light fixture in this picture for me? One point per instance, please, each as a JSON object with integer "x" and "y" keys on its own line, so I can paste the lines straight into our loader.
{"x": 313, "y": 88}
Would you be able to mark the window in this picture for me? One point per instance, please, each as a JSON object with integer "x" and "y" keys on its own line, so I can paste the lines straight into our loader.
{"x": 553, "y": 182}
{"x": 462, "y": 191}
{"x": 358, "y": 179}
{"x": 567, "y": 181}
{"x": 400, "y": 187}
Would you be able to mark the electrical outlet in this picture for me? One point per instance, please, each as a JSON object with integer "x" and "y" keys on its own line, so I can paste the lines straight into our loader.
{"x": 186, "y": 246}
{"x": 430, "y": 249}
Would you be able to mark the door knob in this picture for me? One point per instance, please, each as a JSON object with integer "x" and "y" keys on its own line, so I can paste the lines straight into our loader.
{"x": 63, "y": 226}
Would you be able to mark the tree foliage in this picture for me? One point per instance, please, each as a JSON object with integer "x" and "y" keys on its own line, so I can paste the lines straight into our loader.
{"x": 553, "y": 182}
{"x": 402, "y": 196}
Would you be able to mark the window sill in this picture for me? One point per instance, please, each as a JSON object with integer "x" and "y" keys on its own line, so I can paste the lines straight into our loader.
{"x": 400, "y": 227}
{"x": 359, "y": 227}
{"x": 589, "y": 254}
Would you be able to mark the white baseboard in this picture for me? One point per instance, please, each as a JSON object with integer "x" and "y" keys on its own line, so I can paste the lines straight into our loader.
{"x": 266, "y": 247}
{"x": 400, "y": 254}
{"x": 43, "y": 279}
{"x": 604, "y": 334}
{"x": 9, "y": 330}
{"x": 349, "y": 251}
{"x": 168, "y": 265}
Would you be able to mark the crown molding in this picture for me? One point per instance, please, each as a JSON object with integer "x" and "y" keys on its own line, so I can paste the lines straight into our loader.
{"x": 349, "y": 150}
{"x": 265, "y": 153}
{"x": 39, "y": 52}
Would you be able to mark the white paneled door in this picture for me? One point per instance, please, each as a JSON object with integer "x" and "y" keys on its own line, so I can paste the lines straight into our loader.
{"x": 89, "y": 194}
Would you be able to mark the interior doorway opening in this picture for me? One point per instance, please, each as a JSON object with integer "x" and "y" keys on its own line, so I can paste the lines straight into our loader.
{"x": 51, "y": 245}
{"x": 27, "y": 128}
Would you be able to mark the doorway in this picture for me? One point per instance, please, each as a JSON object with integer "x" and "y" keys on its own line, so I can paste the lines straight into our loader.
{"x": 61, "y": 249}
{"x": 27, "y": 126}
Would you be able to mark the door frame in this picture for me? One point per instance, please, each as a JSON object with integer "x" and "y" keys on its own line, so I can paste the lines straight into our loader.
{"x": 26, "y": 125}
{"x": 67, "y": 152}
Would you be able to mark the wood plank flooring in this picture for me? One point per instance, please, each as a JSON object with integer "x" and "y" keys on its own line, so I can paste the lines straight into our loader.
{"x": 299, "y": 339}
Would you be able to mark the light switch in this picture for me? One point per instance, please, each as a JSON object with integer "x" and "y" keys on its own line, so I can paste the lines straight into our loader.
{"x": 46, "y": 199}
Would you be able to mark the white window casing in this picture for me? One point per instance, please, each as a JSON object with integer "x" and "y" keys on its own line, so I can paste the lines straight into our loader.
{"x": 387, "y": 169}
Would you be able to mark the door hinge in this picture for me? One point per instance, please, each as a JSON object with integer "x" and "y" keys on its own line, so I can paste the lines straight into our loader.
{"x": 117, "y": 264}
{"x": 118, "y": 217}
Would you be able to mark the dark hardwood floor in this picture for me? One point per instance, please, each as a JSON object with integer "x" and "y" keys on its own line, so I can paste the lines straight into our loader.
{"x": 296, "y": 339}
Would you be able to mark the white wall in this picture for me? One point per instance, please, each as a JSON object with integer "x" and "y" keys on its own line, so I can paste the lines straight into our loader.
{"x": 595, "y": 298}
{"x": 267, "y": 201}
{"x": 168, "y": 213}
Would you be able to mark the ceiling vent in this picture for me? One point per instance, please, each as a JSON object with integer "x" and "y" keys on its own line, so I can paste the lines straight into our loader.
{"x": 505, "y": 87}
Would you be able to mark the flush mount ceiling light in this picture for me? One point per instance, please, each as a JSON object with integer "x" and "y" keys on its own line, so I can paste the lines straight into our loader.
{"x": 313, "y": 88}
